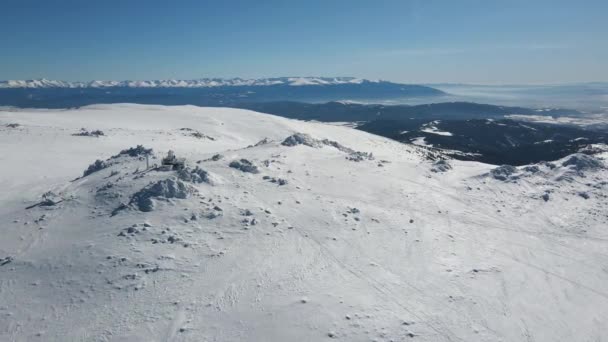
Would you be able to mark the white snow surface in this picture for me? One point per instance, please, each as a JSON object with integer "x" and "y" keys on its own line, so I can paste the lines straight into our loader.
{"x": 584, "y": 120}
{"x": 420, "y": 141}
{"x": 196, "y": 83}
{"x": 432, "y": 128}
{"x": 374, "y": 250}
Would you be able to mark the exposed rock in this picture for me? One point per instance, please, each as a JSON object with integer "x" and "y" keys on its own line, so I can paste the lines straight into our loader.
{"x": 196, "y": 175}
{"x": 105, "y": 187}
{"x": 244, "y": 165}
{"x": 441, "y": 165}
{"x": 6, "y": 260}
{"x": 84, "y": 133}
{"x": 594, "y": 149}
{"x": 531, "y": 168}
{"x": 358, "y": 156}
{"x": 196, "y": 134}
{"x": 163, "y": 189}
{"x": 301, "y": 139}
{"x": 503, "y": 172}
{"x": 550, "y": 165}
{"x": 353, "y": 211}
{"x": 50, "y": 198}
{"x": 338, "y": 146}
{"x": 262, "y": 142}
{"x": 199, "y": 135}
{"x": 96, "y": 166}
{"x": 137, "y": 151}
{"x": 307, "y": 140}
{"x": 215, "y": 157}
{"x": 279, "y": 181}
{"x": 581, "y": 162}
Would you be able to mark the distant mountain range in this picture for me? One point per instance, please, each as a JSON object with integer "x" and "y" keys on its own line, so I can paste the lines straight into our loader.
{"x": 195, "y": 83}
{"x": 588, "y": 97}
{"x": 205, "y": 92}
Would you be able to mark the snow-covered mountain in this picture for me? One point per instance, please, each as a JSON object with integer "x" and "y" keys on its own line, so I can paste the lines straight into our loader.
{"x": 284, "y": 230}
{"x": 196, "y": 83}
{"x": 204, "y": 92}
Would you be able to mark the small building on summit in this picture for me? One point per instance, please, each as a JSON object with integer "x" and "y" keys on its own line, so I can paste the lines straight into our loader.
{"x": 172, "y": 162}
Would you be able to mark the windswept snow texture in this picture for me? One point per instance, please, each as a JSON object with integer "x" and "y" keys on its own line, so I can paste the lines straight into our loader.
{"x": 398, "y": 248}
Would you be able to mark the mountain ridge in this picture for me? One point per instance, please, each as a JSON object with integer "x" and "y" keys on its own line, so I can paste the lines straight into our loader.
{"x": 183, "y": 83}
{"x": 203, "y": 92}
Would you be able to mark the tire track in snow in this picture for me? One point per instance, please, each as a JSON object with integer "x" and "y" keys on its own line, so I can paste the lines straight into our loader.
{"x": 547, "y": 272}
{"x": 389, "y": 295}
{"x": 178, "y": 319}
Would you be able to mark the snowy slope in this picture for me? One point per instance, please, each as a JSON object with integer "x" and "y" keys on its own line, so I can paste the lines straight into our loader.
{"x": 351, "y": 246}
{"x": 197, "y": 83}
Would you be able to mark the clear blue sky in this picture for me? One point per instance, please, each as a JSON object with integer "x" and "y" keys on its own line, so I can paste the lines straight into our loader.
{"x": 488, "y": 41}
